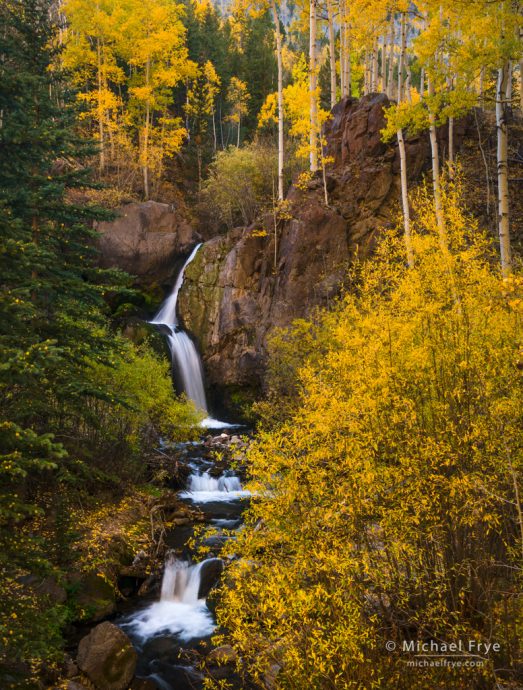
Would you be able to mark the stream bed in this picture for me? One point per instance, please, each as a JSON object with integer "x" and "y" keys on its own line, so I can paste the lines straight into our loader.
{"x": 174, "y": 629}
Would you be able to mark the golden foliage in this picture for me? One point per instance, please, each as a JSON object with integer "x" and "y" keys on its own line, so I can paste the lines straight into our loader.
{"x": 386, "y": 508}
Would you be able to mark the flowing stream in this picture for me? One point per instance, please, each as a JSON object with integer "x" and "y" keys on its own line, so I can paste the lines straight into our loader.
{"x": 163, "y": 631}
{"x": 181, "y": 620}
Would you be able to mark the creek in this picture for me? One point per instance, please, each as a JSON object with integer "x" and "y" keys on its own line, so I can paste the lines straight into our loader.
{"x": 171, "y": 631}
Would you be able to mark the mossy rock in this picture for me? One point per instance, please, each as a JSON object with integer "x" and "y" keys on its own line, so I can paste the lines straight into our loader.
{"x": 94, "y": 598}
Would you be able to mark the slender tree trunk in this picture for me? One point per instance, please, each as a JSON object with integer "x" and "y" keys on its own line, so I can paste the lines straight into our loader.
{"x": 348, "y": 63}
{"x": 405, "y": 198}
{"x": 215, "y": 139}
{"x": 313, "y": 82}
{"x": 451, "y": 148}
{"x": 239, "y": 128}
{"x": 342, "y": 48}
{"x": 438, "y": 205}
{"x": 390, "y": 77}
{"x": 332, "y": 53}
{"x": 403, "y": 52}
{"x": 422, "y": 83}
{"x": 502, "y": 163}
{"x": 279, "y": 54}
{"x": 374, "y": 68}
{"x": 100, "y": 107}
{"x": 146, "y": 134}
{"x": 482, "y": 88}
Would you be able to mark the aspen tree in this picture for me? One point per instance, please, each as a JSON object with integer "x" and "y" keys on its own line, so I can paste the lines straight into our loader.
{"x": 332, "y": 53}
{"x": 390, "y": 75}
{"x": 313, "y": 86}
{"x": 279, "y": 54}
{"x": 504, "y": 74}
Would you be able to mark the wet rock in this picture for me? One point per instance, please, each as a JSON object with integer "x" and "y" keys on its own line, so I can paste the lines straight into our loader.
{"x": 144, "y": 684}
{"x": 107, "y": 657}
{"x": 146, "y": 239}
{"x": 209, "y": 575}
{"x": 222, "y": 656}
{"x": 73, "y": 685}
{"x": 93, "y": 595}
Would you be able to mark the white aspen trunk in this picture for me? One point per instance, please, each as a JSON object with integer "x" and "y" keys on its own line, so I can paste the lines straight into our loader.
{"x": 451, "y": 148}
{"x": 405, "y": 199}
{"x": 482, "y": 87}
{"x": 279, "y": 54}
{"x": 313, "y": 82}
{"x": 374, "y": 68}
{"x": 146, "y": 135}
{"x": 422, "y": 83}
{"x": 342, "y": 48}
{"x": 403, "y": 51}
{"x": 383, "y": 74}
{"x": 239, "y": 129}
{"x": 508, "y": 90}
{"x": 390, "y": 77}
{"x": 502, "y": 165}
{"x": 438, "y": 205}
{"x": 100, "y": 108}
{"x": 348, "y": 64}
{"x": 332, "y": 53}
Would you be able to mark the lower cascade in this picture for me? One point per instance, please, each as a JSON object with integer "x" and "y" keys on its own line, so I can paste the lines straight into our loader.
{"x": 182, "y": 610}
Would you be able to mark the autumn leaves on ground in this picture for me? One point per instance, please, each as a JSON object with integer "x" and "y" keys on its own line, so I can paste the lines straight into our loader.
{"x": 388, "y": 444}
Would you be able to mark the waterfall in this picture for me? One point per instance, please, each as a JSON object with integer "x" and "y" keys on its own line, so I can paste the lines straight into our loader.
{"x": 203, "y": 488}
{"x": 204, "y": 482}
{"x": 183, "y": 351}
{"x": 181, "y": 581}
{"x": 180, "y": 611}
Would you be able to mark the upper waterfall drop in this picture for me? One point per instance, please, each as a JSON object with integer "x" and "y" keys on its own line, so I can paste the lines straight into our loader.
{"x": 167, "y": 314}
{"x": 183, "y": 351}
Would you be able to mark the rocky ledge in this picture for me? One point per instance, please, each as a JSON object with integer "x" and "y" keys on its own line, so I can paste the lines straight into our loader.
{"x": 147, "y": 240}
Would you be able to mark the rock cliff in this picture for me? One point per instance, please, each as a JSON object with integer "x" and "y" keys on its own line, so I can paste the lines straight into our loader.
{"x": 240, "y": 286}
{"x": 146, "y": 240}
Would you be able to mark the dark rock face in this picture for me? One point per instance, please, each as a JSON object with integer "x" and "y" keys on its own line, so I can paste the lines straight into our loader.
{"x": 209, "y": 575}
{"x": 93, "y": 594}
{"x": 107, "y": 657}
{"x": 146, "y": 240}
{"x": 240, "y": 286}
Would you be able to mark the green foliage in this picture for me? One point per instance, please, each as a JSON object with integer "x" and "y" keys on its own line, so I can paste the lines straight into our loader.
{"x": 240, "y": 184}
{"x": 387, "y": 507}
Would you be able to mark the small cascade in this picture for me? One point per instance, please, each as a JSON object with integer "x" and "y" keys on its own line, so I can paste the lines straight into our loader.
{"x": 204, "y": 482}
{"x": 180, "y": 611}
{"x": 181, "y": 581}
{"x": 203, "y": 488}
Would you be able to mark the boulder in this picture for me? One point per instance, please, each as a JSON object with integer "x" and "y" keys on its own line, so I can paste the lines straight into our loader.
{"x": 146, "y": 240}
{"x": 209, "y": 575}
{"x": 107, "y": 657}
{"x": 73, "y": 685}
{"x": 222, "y": 656}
